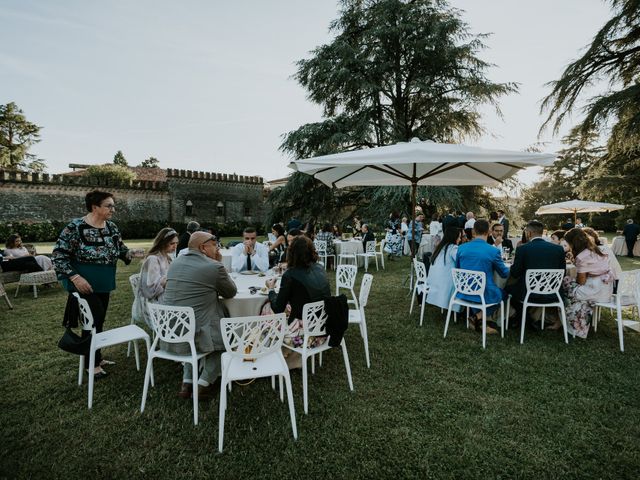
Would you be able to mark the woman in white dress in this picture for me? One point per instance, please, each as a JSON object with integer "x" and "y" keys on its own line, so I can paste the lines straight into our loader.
{"x": 153, "y": 274}
{"x": 435, "y": 229}
{"x": 15, "y": 249}
{"x": 443, "y": 260}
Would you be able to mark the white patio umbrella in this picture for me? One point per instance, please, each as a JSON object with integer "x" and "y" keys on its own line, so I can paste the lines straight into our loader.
{"x": 578, "y": 206}
{"x": 419, "y": 163}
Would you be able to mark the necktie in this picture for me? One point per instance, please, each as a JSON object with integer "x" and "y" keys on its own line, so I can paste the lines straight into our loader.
{"x": 249, "y": 262}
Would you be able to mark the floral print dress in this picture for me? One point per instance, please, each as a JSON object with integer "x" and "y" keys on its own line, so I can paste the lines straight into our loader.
{"x": 580, "y": 299}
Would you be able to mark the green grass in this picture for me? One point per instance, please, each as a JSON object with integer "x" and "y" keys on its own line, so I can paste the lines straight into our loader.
{"x": 428, "y": 408}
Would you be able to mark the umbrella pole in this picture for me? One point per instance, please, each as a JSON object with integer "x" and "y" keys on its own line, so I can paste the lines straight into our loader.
{"x": 575, "y": 216}
{"x": 414, "y": 187}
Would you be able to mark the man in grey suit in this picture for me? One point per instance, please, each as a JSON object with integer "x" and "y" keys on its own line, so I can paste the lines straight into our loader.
{"x": 505, "y": 223}
{"x": 197, "y": 280}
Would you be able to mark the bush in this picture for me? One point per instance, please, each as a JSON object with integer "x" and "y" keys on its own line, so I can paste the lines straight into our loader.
{"x": 32, "y": 232}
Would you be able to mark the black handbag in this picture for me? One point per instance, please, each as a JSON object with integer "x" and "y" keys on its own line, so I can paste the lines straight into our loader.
{"x": 73, "y": 343}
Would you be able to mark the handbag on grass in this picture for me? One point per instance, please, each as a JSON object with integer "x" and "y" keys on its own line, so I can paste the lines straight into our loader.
{"x": 73, "y": 343}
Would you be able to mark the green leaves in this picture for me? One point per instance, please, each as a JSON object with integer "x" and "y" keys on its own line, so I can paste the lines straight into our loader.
{"x": 17, "y": 135}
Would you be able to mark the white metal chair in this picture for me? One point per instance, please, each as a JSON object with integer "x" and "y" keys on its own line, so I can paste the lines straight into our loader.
{"x": 420, "y": 287}
{"x": 314, "y": 320}
{"x": 357, "y": 316}
{"x": 628, "y": 295}
{"x": 321, "y": 249}
{"x": 369, "y": 252}
{"x": 380, "y": 251}
{"x": 472, "y": 283}
{"x": 134, "y": 281}
{"x": 173, "y": 324}
{"x": 253, "y": 350}
{"x": 346, "y": 278}
{"x": 346, "y": 257}
{"x": 543, "y": 282}
{"x": 105, "y": 339}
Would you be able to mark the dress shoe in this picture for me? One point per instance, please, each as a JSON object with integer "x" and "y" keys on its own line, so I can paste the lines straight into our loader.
{"x": 186, "y": 390}
{"x": 492, "y": 328}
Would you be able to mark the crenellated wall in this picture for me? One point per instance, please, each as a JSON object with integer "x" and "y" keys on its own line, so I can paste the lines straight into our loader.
{"x": 40, "y": 197}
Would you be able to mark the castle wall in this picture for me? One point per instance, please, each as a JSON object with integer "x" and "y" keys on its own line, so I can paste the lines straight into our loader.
{"x": 42, "y": 197}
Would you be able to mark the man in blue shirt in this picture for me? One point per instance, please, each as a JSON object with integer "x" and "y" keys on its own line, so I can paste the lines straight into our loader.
{"x": 419, "y": 227}
{"x": 478, "y": 255}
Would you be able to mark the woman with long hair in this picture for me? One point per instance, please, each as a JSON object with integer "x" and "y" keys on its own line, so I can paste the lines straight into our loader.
{"x": 443, "y": 260}
{"x": 15, "y": 249}
{"x": 593, "y": 283}
{"x": 153, "y": 273}
{"x": 279, "y": 247}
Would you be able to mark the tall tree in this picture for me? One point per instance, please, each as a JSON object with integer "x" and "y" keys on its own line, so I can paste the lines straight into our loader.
{"x": 118, "y": 159}
{"x": 395, "y": 70}
{"x": 17, "y": 135}
{"x": 614, "y": 56}
{"x": 151, "y": 162}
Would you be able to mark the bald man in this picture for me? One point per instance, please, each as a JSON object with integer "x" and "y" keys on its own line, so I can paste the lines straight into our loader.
{"x": 197, "y": 279}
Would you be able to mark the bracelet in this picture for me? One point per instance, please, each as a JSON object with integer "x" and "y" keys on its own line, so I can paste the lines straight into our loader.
{"x": 74, "y": 277}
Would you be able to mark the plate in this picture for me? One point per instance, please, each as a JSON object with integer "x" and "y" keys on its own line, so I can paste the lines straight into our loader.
{"x": 248, "y": 272}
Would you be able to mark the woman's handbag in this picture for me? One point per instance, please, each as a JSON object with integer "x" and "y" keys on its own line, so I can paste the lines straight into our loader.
{"x": 73, "y": 343}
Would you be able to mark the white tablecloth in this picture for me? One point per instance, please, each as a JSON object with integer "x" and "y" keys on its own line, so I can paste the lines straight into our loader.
{"x": 226, "y": 258}
{"x": 245, "y": 304}
{"x": 427, "y": 244}
{"x": 350, "y": 247}
{"x": 619, "y": 247}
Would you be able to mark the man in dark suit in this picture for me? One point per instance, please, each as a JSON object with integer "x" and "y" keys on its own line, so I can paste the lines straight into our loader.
{"x": 631, "y": 232}
{"x": 367, "y": 236}
{"x": 568, "y": 225}
{"x": 498, "y": 238}
{"x": 449, "y": 220}
{"x": 183, "y": 241}
{"x": 504, "y": 221}
{"x": 537, "y": 253}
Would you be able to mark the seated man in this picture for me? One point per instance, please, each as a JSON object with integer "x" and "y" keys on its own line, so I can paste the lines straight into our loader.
{"x": 367, "y": 236}
{"x": 250, "y": 255}
{"x": 196, "y": 280}
{"x": 497, "y": 238}
{"x": 537, "y": 253}
{"x": 480, "y": 256}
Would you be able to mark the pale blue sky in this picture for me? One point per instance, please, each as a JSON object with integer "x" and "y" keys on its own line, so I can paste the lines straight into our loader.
{"x": 206, "y": 85}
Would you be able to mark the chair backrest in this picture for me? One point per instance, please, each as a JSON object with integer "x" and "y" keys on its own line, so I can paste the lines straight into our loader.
{"x": 381, "y": 245}
{"x": 86, "y": 317}
{"x": 469, "y": 282}
{"x": 365, "y": 288}
{"x": 253, "y": 337}
{"x": 172, "y": 324}
{"x": 346, "y": 276}
{"x": 544, "y": 281}
{"x": 134, "y": 280}
{"x": 371, "y": 247}
{"x": 629, "y": 284}
{"x": 314, "y": 319}
{"x": 421, "y": 271}
{"x": 321, "y": 247}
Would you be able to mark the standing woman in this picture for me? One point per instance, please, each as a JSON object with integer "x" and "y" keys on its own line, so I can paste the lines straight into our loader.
{"x": 278, "y": 248}
{"x": 85, "y": 258}
{"x": 153, "y": 274}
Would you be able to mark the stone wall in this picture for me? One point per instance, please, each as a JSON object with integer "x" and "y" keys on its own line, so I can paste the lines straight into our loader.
{"x": 213, "y": 197}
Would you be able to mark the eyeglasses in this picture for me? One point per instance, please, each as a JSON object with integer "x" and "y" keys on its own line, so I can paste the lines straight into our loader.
{"x": 110, "y": 206}
{"x": 213, "y": 238}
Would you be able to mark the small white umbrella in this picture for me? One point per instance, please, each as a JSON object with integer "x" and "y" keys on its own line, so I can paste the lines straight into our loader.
{"x": 419, "y": 163}
{"x": 578, "y": 206}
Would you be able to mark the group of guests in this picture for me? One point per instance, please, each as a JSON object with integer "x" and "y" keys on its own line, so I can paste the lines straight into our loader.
{"x": 595, "y": 266}
{"x": 88, "y": 249}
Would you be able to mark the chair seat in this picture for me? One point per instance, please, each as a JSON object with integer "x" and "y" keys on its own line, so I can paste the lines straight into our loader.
{"x": 467, "y": 303}
{"x": 533, "y": 304}
{"x": 267, "y": 366}
{"x": 177, "y": 357}
{"x": 625, "y": 301}
{"x": 119, "y": 335}
{"x": 422, "y": 288}
{"x": 354, "y": 316}
{"x": 310, "y": 351}
{"x": 370, "y": 254}
{"x": 38, "y": 278}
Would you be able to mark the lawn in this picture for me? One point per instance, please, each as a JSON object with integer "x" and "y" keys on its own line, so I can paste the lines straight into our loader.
{"x": 428, "y": 408}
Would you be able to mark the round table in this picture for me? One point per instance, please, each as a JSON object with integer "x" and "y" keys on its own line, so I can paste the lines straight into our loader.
{"x": 350, "y": 247}
{"x": 226, "y": 258}
{"x": 245, "y": 304}
{"x": 619, "y": 247}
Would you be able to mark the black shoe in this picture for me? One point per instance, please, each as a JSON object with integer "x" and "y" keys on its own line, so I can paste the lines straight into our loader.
{"x": 534, "y": 326}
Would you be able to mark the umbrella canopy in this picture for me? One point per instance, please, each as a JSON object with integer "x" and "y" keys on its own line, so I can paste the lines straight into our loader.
{"x": 419, "y": 163}
{"x": 578, "y": 206}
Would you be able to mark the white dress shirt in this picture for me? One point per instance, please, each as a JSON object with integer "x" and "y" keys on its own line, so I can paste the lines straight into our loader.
{"x": 259, "y": 260}
{"x": 470, "y": 223}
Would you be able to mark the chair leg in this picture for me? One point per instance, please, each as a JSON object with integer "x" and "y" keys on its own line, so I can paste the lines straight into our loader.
{"x": 91, "y": 374}
{"x": 620, "y": 327}
{"x": 313, "y": 365}
{"x": 377, "y": 269}
{"x": 221, "y": 410}
{"x": 413, "y": 297}
{"x": 596, "y": 318}
{"x": 81, "y": 370}
{"x": 365, "y": 339}
{"x": 147, "y": 377}
{"x": 17, "y": 290}
{"x": 35, "y": 291}
{"x": 506, "y": 318}
{"x": 484, "y": 328}
{"x": 502, "y": 320}
{"x": 137, "y": 354}
{"x": 320, "y": 359}
{"x": 563, "y": 319}
{"x": 281, "y": 389}
{"x": 522, "y": 322}
{"x": 542, "y": 319}
{"x": 446, "y": 323}
{"x": 424, "y": 299}
{"x": 292, "y": 411}
{"x": 148, "y": 345}
{"x": 345, "y": 356}
{"x": 305, "y": 393}
{"x": 194, "y": 379}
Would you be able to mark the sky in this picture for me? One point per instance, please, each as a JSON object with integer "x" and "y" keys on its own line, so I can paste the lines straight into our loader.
{"x": 207, "y": 84}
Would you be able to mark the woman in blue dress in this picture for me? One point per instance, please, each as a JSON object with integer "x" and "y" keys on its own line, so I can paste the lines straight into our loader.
{"x": 443, "y": 260}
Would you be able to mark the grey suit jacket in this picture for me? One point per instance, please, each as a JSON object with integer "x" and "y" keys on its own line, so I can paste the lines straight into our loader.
{"x": 194, "y": 280}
